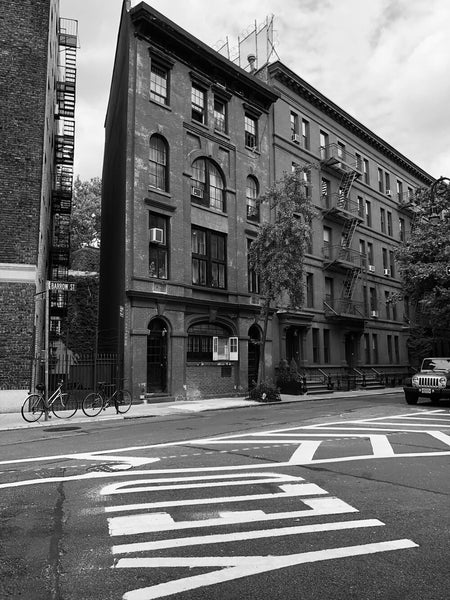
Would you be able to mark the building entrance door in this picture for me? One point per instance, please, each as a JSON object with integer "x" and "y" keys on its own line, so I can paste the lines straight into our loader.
{"x": 293, "y": 344}
{"x": 157, "y": 357}
{"x": 350, "y": 350}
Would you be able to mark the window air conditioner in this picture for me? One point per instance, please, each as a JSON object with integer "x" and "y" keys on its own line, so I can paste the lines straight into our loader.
{"x": 388, "y": 192}
{"x": 374, "y": 313}
{"x": 296, "y": 138}
{"x": 387, "y": 272}
{"x": 197, "y": 192}
{"x": 372, "y": 268}
{"x": 156, "y": 235}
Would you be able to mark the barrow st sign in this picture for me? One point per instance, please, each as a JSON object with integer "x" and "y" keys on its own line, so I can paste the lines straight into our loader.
{"x": 61, "y": 286}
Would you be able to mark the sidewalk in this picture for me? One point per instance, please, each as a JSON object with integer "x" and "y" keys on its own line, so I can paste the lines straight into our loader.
{"x": 138, "y": 411}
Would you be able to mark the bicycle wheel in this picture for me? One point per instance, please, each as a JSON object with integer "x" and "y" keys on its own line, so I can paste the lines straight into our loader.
{"x": 122, "y": 401}
{"x": 65, "y": 406}
{"x": 92, "y": 405}
{"x": 32, "y": 408}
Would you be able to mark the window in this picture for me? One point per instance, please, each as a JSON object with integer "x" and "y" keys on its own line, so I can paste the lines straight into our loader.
{"x": 316, "y": 345}
{"x": 370, "y": 253}
{"x": 309, "y": 290}
{"x": 208, "y": 258}
{"x": 366, "y": 171}
{"x": 401, "y": 226}
{"x": 158, "y": 163}
{"x": 305, "y": 134}
{"x": 399, "y": 190}
{"x": 324, "y": 143}
{"x": 341, "y": 152}
{"x": 383, "y": 220}
{"x": 159, "y": 83}
{"x": 329, "y": 291}
{"x": 396, "y": 349}
{"x": 251, "y": 194}
{"x": 210, "y": 342}
{"x": 392, "y": 262}
{"x": 294, "y": 127}
{"x": 360, "y": 207}
{"x": 380, "y": 180}
{"x": 306, "y": 175}
{"x": 358, "y": 162}
{"x": 220, "y": 115}
{"x": 158, "y": 247}
{"x": 326, "y": 346}
{"x": 327, "y": 242}
{"x": 251, "y": 132}
{"x": 368, "y": 208}
{"x": 387, "y": 303}
{"x": 387, "y": 183}
{"x": 207, "y": 185}
{"x": 385, "y": 260}
{"x": 252, "y": 276}
{"x": 373, "y": 304}
{"x": 389, "y": 223}
{"x": 325, "y": 187}
{"x": 198, "y": 104}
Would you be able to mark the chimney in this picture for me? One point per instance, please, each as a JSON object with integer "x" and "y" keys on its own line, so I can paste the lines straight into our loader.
{"x": 252, "y": 62}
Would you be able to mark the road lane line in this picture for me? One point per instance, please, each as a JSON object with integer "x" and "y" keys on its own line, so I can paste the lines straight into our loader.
{"x": 144, "y": 523}
{"x": 439, "y": 435}
{"x": 304, "y": 452}
{"x": 238, "y": 536}
{"x": 381, "y": 445}
{"x": 244, "y": 568}
{"x": 290, "y": 490}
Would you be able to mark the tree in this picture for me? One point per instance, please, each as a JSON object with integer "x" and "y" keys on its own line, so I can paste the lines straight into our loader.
{"x": 424, "y": 259}
{"x": 277, "y": 253}
{"x": 86, "y": 213}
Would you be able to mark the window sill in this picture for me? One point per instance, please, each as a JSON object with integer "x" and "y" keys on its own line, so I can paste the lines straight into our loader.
{"x": 164, "y": 106}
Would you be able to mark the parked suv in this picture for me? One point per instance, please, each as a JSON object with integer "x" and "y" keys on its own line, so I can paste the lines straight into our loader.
{"x": 432, "y": 381}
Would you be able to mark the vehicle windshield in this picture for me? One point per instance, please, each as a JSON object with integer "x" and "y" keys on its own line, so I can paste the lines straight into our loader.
{"x": 436, "y": 364}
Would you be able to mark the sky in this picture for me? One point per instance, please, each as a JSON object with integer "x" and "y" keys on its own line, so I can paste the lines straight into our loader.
{"x": 385, "y": 62}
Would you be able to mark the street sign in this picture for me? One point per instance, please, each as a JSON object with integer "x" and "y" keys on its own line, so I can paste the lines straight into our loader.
{"x": 61, "y": 286}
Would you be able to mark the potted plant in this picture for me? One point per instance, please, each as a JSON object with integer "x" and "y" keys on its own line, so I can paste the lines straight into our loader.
{"x": 289, "y": 379}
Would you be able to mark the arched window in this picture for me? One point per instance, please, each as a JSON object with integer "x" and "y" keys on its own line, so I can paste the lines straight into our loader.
{"x": 158, "y": 163}
{"x": 211, "y": 342}
{"x": 207, "y": 185}
{"x": 251, "y": 193}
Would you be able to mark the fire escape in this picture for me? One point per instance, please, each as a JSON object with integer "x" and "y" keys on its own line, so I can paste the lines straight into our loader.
{"x": 61, "y": 205}
{"x": 342, "y": 258}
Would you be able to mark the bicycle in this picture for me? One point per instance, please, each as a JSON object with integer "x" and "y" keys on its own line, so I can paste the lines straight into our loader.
{"x": 62, "y": 405}
{"x": 95, "y": 402}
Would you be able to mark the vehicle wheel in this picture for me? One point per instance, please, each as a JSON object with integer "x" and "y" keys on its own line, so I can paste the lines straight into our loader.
{"x": 92, "y": 405}
{"x": 32, "y": 408}
{"x": 123, "y": 401}
{"x": 66, "y": 407}
{"x": 411, "y": 398}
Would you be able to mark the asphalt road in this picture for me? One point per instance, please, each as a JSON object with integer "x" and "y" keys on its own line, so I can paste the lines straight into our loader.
{"x": 321, "y": 500}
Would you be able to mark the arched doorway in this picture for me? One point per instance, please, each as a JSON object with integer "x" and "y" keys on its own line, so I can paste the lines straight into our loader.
{"x": 254, "y": 345}
{"x": 157, "y": 356}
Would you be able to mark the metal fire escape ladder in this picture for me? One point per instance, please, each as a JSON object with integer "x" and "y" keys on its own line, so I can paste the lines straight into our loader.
{"x": 63, "y": 160}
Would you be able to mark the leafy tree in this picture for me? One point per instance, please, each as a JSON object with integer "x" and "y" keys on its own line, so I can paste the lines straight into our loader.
{"x": 277, "y": 253}
{"x": 86, "y": 213}
{"x": 423, "y": 261}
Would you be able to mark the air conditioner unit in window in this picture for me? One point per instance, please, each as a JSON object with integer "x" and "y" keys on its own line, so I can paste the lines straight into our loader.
{"x": 156, "y": 235}
{"x": 372, "y": 268}
{"x": 388, "y": 192}
{"x": 296, "y": 138}
{"x": 197, "y": 192}
{"x": 387, "y": 272}
{"x": 374, "y": 313}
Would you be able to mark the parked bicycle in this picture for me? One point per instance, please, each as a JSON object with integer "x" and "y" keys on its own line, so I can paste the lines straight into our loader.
{"x": 61, "y": 403}
{"x": 97, "y": 401}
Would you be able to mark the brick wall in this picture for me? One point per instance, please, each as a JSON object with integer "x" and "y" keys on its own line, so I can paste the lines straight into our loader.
{"x": 16, "y": 334}
{"x": 23, "y": 88}
{"x": 208, "y": 381}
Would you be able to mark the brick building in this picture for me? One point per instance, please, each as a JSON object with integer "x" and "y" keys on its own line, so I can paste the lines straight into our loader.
{"x": 37, "y": 87}
{"x": 191, "y": 141}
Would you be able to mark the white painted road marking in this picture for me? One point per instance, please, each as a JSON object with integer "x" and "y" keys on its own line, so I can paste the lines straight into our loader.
{"x": 243, "y": 566}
